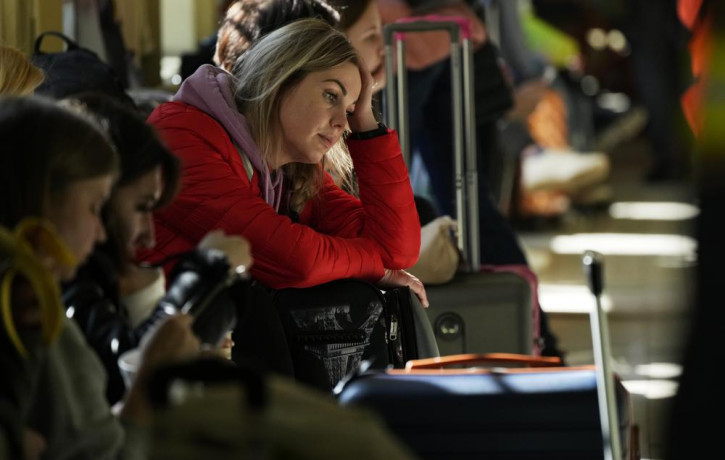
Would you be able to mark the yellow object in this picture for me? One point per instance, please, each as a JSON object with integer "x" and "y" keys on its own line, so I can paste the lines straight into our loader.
{"x": 547, "y": 40}
{"x": 21, "y": 249}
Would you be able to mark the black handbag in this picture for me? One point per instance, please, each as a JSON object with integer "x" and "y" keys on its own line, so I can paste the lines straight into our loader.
{"x": 333, "y": 327}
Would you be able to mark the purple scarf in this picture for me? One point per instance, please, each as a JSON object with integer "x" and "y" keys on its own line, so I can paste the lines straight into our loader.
{"x": 209, "y": 89}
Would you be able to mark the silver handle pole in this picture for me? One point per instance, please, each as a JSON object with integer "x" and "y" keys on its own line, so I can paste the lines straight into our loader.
{"x": 391, "y": 110}
{"x": 471, "y": 157}
{"x": 608, "y": 416}
{"x": 403, "y": 103}
{"x": 463, "y": 229}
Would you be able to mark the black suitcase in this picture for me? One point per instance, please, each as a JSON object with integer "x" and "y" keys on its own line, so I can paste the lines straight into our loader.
{"x": 481, "y": 310}
{"x": 543, "y": 411}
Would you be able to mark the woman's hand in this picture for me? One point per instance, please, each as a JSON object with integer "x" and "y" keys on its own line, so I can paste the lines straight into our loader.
{"x": 362, "y": 118}
{"x": 399, "y": 278}
{"x": 171, "y": 342}
{"x": 224, "y": 350}
{"x": 236, "y": 248}
{"x": 34, "y": 444}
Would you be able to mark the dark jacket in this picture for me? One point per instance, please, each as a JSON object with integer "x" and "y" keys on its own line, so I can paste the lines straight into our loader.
{"x": 93, "y": 301}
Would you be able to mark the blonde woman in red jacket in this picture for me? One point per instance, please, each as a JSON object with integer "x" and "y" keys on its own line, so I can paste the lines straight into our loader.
{"x": 256, "y": 147}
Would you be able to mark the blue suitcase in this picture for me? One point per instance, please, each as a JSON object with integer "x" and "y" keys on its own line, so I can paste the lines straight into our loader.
{"x": 542, "y": 412}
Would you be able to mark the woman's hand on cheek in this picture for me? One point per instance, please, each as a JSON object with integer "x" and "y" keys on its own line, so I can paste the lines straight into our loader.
{"x": 362, "y": 118}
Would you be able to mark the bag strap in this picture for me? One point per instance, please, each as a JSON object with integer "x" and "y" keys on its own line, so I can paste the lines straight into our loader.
{"x": 69, "y": 43}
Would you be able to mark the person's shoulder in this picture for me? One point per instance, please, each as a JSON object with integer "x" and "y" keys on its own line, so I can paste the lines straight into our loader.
{"x": 175, "y": 111}
{"x": 96, "y": 281}
{"x": 179, "y": 115}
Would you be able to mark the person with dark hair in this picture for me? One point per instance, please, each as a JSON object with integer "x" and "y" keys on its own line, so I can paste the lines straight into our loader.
{"x": 56, "y": 172}
{"x": 361, "y": 22}
{"x": 247, "y": 21}
{"x": 659, "y": 50}
{"x": 430, "y": 95}
{"x": 242, "y": 22}
{"x": 114, "y": 301}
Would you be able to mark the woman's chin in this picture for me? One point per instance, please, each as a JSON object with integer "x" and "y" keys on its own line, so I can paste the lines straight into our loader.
{"x": 379, "y": 78}
{"x": 66, "y": 274}
{"x": 317, "y": 157}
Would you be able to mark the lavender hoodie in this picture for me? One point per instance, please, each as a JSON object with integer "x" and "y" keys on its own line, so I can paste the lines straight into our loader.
{"x": 209, "y": 89}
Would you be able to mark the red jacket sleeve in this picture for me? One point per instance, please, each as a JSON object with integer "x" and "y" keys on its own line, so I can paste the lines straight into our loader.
{"x": 385, "y": 212}
{"x": 338, "y": 241}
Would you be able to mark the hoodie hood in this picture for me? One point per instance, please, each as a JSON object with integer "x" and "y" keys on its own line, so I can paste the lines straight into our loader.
{"x": 209, "y": 89}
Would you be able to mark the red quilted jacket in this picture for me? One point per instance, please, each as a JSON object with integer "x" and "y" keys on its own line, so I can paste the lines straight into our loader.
{"x": 338, "y": 236}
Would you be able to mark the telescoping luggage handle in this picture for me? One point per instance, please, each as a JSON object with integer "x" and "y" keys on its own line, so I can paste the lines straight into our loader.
{"x": 463, "y": 110}
{"x": 608, "y": 416}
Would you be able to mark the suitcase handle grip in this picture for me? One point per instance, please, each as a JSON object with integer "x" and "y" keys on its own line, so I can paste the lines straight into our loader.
{"x": 488, "y": 358}
{"x": 428, "y": 23}
{"x": 458, "y": 27}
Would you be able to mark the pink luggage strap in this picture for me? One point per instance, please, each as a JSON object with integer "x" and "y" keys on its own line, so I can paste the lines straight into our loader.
{"x": 463, "y": 22}
{"x": 526, "y": 273}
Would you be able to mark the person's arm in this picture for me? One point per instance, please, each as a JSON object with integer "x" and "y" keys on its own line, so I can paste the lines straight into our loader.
{"x": 388, "y": 207}
{"x": 385, "y": 212}
{"x": 18, "y": 372}
{"x": 173, "y": 341}
{"x": 105, "y": 329}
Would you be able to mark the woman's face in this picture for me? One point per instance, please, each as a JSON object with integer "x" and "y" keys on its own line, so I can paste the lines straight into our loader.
{"x": 313, "y": 113}
{"x": 132, "y": 206}
{"x": 76, "y": 215}
{"x": 366, "y": 35}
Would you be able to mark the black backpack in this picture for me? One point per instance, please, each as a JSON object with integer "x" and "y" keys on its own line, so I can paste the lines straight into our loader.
{"x": 75, "y": 70}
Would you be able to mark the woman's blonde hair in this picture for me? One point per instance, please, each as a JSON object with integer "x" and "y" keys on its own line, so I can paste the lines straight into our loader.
{"x": 271, "y": 68}
{"x": 18, "y": 77}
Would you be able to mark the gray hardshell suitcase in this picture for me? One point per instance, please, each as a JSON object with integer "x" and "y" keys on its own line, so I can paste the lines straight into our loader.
{"x": 480, "y": 310}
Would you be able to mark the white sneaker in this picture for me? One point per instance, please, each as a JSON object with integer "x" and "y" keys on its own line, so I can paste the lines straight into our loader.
{"x": 563, "y": 170}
